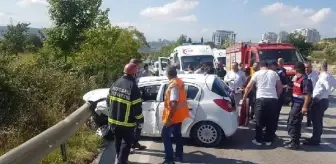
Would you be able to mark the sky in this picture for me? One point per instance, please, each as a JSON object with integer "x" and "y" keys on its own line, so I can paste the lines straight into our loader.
{"x": 168, "y": 19}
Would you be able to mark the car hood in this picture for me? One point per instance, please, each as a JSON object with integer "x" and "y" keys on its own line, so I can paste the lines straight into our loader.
{"x": 96, "y": 94}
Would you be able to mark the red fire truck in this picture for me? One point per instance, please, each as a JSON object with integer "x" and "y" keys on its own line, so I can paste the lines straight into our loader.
{"x": 248, "y": 53}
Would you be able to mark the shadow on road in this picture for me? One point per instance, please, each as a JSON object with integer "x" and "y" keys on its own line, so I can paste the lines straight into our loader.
{"x": 198, "y": 157}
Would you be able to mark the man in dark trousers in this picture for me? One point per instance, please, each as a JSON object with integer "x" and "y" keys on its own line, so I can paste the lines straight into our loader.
{"x": 125, "y": 111}
{"x": 138, "y": 129}
{"x": 269, "y": 87}
{"x": 278, "y": 68}
{"x": 302, "y": 90}
{"x": 283, "y": 78}
{"x": 324, "y": 86}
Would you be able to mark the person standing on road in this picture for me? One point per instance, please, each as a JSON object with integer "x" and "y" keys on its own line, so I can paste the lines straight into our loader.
{"x": 241, "y": 71}
{"x": 125, "y": 111}
{"x": 269, "y": 87}
{"x": 255, "y": 68}
{"x": 236, "y": 82}
{"x": 145, "y": 72}
{"x": 251, "y": 95}
{"x": 277, "y": 66}
{"x": 282, "y": 74}
{"x": 220, "y": 70}
{"x": 324, "y": 86}
{"x": 313, "y": 76}
{"x": 174, "y": 112}
{"x": 138, "y": 129}
{"x": 302, "y": 90}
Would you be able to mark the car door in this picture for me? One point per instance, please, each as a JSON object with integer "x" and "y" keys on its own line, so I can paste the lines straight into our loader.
{"x": 149, "y": 95}
{"x": 193, "y": 95}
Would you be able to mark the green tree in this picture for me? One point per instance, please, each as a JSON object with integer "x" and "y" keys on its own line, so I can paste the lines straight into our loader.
{"x": 330, "y": 52}
{"x": 182, "y": 39}
{"x": 211, "y": 44}
{"x": 189, "y": 40}
{"x": 34, "y": 43}
{"x": 139, "y": 35}
{"x": 333, "y": 40}
{"x": 14, "y": 40}
{"x": 71, "y": 19}
{"x": 227, "y": 42}
{"x": 105, "y": 52}
{"x": 300, "y": 43}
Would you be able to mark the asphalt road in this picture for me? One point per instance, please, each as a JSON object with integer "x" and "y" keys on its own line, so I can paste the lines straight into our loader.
{"x": 239, "y": 149}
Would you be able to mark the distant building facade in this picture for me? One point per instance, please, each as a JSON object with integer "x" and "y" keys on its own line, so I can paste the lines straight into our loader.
{"x": 270, "y": 37}
{"x": 282, "y": 36}
{"x": 311, "y": 35}
{"x": 219, "y": 37}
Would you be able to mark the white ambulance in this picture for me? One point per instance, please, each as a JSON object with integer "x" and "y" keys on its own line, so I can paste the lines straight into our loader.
{"x": 219, "y": 56}
{"x": 186, "y": 55}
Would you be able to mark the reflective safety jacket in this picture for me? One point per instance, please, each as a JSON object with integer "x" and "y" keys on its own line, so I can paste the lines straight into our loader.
{"x": 182, "y": 110}
{"x": 301, "y": 87}
{"x": 124, "y": 103}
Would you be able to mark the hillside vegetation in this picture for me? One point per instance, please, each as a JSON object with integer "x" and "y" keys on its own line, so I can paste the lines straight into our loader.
{"x": 42, "y": 80}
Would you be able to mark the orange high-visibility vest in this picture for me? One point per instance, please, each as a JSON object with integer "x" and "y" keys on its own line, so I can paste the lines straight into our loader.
{"x": 182, "y": 111}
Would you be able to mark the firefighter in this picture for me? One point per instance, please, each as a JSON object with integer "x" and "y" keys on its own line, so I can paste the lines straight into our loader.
{"x": 138, "y": 129}
{"x": 174, "y": 112}
{"x": 125, "y": 111}
{"x": 302, "y": 90}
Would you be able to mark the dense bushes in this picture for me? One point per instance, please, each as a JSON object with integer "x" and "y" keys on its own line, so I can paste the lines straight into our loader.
{"x": 37, "y": 99}
{"x": 38, "y": 90}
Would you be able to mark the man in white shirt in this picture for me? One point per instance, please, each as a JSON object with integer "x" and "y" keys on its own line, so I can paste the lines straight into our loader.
{"x": 313, "y": 76}
{"x": 241, "y": 71}
{"x": 324, "y": 86}
{"x": 202, "y": 69}
{"x": 235, "y": 81}
{"x": 269, "y": 87}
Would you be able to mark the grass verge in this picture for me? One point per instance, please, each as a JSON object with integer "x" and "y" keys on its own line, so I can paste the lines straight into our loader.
{"x": 81, "y": 148}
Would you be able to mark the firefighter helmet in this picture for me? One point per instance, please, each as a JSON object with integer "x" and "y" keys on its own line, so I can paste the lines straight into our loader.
{"x": 130, "y": 69}
{"x": 135, "y": 61}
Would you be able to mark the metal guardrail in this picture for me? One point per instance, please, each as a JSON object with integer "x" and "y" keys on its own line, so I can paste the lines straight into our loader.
{"x": 33, "y": 150}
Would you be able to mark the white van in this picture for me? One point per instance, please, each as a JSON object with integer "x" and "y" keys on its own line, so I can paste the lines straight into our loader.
{"x": 187, "y": 55}
{"x": 219, "y": 56}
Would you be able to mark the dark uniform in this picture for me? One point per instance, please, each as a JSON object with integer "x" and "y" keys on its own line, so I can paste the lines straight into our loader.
{"x": 301, "y": 86}
{"x": 125, "y": 111}
{"x": 281, "y": 100}
{"x": 220, "y": 72}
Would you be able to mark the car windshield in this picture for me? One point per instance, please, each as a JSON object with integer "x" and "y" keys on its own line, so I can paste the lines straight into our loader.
{"x": 196, "y": 61}
{"x": 222, "y": 60}
{"x": 290, "y": 56}
{"x": 220, "y": 88}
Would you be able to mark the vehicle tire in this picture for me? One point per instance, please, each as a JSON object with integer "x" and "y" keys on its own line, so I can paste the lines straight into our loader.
{"x": 207, "y": 134}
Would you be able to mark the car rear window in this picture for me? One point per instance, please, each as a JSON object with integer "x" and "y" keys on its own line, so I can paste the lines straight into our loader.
{"x": 220, "y": 88}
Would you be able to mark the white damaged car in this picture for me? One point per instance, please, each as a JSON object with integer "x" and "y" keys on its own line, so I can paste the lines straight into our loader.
{"x": 212, "y": 116}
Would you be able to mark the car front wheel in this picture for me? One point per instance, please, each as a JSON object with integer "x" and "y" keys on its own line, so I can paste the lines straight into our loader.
{"x": 207, "y": 134}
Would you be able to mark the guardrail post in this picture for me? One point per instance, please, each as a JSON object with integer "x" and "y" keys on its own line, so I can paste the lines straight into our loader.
{"x": 64, "y": 152}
